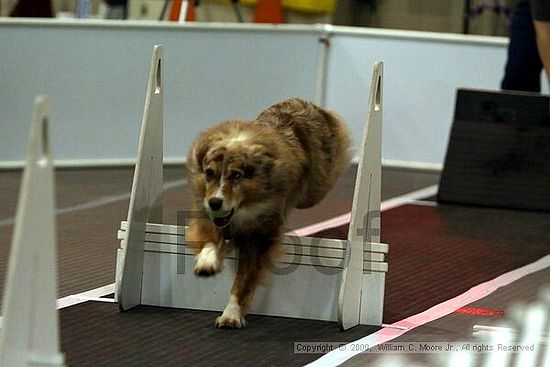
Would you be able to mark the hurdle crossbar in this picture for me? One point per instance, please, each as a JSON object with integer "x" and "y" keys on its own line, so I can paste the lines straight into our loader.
{"x": 316, "y": 278}
{"x": 30, "y": 327}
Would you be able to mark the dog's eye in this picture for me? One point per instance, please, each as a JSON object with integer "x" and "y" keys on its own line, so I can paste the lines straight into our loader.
{"x": 209, "y": 173}
{"x": 249, "y": 171}
{"x": 234, "y": 175}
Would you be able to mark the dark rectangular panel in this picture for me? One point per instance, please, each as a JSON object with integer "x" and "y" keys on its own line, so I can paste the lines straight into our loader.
{"x": 499, "y": 151}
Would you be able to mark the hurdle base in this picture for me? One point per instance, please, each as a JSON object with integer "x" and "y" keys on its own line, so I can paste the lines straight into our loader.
{"x": 304, "y": 284}
{"x": 372, "y": 298}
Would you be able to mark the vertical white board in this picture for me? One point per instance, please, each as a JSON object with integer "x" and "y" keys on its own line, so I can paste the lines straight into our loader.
{"x": 30, "y": 335}
{"x": 365, "y": 213}
{"x": 146, "y": 198}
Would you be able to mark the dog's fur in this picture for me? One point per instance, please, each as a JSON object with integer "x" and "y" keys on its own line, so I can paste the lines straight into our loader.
{"x": 248, "y": 175}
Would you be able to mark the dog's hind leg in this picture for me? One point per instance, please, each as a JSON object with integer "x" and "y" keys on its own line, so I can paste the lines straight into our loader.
{"x": 252, "y": 264}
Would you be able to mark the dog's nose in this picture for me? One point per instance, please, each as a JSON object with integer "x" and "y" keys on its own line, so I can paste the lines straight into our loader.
{"x": 215, "y": 204}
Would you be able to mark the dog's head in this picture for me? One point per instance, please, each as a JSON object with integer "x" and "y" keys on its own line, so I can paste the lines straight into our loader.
{"x": 231, "y": 174}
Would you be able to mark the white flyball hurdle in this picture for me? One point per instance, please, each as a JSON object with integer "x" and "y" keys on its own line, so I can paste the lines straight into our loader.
{"x": 30, "y": 336}
{"x": 316, "y": 278}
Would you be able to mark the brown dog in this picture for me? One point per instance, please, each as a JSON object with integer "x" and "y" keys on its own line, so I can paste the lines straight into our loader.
{"x": 247, "y": 176}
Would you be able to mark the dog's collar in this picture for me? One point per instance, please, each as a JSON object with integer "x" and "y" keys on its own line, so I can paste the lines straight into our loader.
{"x": 227, "y": 235}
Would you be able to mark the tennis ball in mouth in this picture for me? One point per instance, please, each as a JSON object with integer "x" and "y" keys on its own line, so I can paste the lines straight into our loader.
{"x": 219, "y": 214}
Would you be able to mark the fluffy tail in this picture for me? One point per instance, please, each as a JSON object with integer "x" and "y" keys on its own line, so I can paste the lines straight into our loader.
{"x": 323, "y": 137}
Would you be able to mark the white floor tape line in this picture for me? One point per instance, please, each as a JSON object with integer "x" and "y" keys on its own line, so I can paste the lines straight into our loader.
{"x": 104, "y": 200}
{"x": 94, "y": 299}
{"x": 337, "y": 357}
{"x": 91, "y": 295}
{"x": 408, "y": 198}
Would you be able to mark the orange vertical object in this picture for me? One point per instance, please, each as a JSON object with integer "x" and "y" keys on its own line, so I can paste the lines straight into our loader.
{"x": 190, "y": 16}
{"x": 176, "y": 8}
{"x": 269, "y": 11}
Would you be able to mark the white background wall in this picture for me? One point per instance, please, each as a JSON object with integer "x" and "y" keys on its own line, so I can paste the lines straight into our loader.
{"x": 97, "y": 76}
{"x": 421, "y": 75}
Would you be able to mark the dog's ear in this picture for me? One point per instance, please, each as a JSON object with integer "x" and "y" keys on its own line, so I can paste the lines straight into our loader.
{"x": 198, "y": 152}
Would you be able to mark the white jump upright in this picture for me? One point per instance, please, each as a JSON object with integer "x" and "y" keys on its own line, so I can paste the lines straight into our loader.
{"x": 146, "y": 197}
{"x": 30, "y": 334}
{"x": 362, "y": 292}
{"x": 316, "y": 278}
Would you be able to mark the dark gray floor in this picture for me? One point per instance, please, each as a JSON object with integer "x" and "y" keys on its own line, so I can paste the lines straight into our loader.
{"x": 436, "y": 253}
{"x": 96, "y": 334}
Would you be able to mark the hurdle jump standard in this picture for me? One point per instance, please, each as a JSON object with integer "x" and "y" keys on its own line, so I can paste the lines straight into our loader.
{"x": 30, "y": 336}
{"x": 316, "y": 278}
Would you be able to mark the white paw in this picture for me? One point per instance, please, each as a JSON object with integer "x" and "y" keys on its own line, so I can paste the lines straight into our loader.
{"x": 230, "y": 322}
{"x": 208, "y": 261}
{"x": 232, "y": 316}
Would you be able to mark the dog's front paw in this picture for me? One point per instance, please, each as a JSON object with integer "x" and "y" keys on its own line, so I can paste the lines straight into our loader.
{"x": 208, "y": 262}
{"x": 230, "y": 322}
